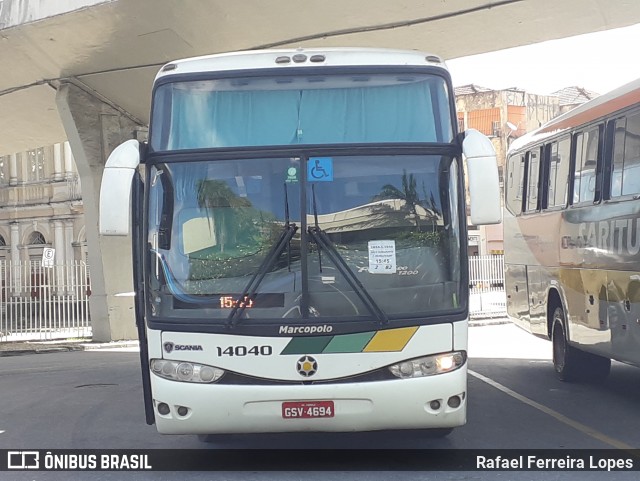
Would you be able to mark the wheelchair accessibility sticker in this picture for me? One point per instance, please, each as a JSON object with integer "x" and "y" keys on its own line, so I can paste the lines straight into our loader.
{"x": 320, "y": 169}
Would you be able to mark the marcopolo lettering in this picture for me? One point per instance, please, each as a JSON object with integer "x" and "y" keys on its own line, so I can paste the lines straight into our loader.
{"x": 324, "y": 329}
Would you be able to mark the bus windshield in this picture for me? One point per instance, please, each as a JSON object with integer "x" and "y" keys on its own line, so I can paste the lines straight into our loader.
{"x": 344, "y": 237}
{"x": 301, "y": 109}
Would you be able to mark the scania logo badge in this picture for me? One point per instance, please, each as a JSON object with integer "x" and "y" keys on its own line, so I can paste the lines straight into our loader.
{"x": 307, "y": 366}
{"x": 168, "y": 347}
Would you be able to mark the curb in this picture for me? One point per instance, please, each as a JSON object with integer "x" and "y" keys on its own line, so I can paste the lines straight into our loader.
{"x": 48, "y": 349}
{"x": 39, "y": 350}
{"x": 488, "y": 322}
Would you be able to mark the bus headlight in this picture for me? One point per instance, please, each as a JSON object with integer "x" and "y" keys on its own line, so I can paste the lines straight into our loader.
{"x": 185, "y": 371}
{"x": 429, "y": 365}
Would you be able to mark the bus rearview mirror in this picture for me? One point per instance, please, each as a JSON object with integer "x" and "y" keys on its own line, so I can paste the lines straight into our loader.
{"x": 115, "y": 189}
{"x": 484, "y": 181}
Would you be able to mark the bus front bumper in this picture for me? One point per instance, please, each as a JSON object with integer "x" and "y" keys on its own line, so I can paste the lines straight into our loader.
{"x": 418, "y": 403}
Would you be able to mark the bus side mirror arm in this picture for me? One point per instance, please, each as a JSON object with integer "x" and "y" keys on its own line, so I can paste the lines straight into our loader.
{"x": 484, "y": 181}
{"x": 115, "y": 189}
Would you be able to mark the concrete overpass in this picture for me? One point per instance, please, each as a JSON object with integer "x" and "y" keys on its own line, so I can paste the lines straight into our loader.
{"x": 82, "y": 70}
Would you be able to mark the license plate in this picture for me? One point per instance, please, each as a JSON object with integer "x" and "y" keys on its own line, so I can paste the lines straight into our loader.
{"x": 307, "y": 409}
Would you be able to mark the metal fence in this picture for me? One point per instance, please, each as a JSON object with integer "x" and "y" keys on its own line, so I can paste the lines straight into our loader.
{"x": 44, "y": 302}
{"x": 53, "y": 302}
{"x": 486, "y": 282}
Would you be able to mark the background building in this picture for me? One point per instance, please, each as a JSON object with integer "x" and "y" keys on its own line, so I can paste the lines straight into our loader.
{"x": 504, "y": 115}
{"x": 41, "y": 206}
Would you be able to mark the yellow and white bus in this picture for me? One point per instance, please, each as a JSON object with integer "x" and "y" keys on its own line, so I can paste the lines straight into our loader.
{"x": 571, "y": 234}
{"x": 299, "y": 231}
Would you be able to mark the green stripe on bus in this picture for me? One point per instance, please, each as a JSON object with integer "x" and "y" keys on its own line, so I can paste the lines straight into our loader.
{"x": 307, "y": 345}
{"x": 349, "y": 343}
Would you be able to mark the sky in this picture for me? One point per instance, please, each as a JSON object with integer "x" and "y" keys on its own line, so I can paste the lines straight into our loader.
{"x": 598, "y": 62}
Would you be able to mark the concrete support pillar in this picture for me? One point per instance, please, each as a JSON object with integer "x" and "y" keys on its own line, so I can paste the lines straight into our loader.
{"x": 13, "y": 169}
{"x": 15, "y": 258}
{"x": 57, "y": 162}
{"x": 94, "y": 129}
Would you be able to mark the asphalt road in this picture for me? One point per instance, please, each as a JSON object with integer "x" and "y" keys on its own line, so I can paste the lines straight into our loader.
{"x": 92, "y": 400}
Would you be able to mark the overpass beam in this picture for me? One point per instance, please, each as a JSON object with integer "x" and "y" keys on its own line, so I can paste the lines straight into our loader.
{"x": 94, "y": 128}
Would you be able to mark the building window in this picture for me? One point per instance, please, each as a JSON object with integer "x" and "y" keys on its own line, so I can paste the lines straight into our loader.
{"x": 36, "y": 238}
{"x": 4, "y": 165}
{"x": 496, "y": 131}
{"x": 3, "y": 243}
{"x": 460, "y": 121}
{"x": 35, "y": 163}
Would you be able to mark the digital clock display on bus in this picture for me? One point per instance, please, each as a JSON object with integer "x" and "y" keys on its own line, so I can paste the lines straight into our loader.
{"x": 231, "y": 300}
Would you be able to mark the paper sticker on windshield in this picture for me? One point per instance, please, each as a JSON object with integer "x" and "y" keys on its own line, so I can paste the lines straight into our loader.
{"x": 320, "y": 169}
{"x": 382, "y": 257}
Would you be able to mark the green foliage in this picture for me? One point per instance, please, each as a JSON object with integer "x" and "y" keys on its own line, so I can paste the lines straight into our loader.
{"x": 242, "y": 232}
{"x": 420, "y": 239}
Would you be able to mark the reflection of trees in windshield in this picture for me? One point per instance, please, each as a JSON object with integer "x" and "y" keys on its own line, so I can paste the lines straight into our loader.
{"x": 224, "y": 211}
{"x": 240, "y": 231}
{"x": 419, "y": 210}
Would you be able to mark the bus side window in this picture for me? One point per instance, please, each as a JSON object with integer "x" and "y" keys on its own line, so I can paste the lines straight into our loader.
{"x": 515, "y": 184}
{"x": 625, "y": 178}
{"x": 552, "y": 169}
{"x": 533, "y": 175}
{"x": 584, "y": 181}
{"x": 559, "y": 173}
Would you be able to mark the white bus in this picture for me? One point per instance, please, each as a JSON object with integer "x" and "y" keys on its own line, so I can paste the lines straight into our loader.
{"x": 299, "y": 231}
{"x": 571, "y": 241}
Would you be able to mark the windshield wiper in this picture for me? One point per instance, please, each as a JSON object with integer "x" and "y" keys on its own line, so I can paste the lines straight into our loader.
{"x": 284, "y": 241}
{"x": 323, "y": 241}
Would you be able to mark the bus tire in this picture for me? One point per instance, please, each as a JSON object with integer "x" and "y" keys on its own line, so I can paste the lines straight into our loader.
{"x": 566, "y": 359}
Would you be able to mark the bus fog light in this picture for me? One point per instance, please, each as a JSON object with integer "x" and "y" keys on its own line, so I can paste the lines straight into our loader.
{"x": 182, "y": 411}
{"x": 185, "y": 371}
{"x": 454, "y": 401}
{"x": 429, "y": 365}
{"x": 435, "y": 405}
{"x": 163, "y": 408}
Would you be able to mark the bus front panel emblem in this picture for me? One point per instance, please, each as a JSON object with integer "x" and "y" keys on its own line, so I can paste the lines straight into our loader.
{"x": 168, "y": 347}
{"x": 307, "y": 366}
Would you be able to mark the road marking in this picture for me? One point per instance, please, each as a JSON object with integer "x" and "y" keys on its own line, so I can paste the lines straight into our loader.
{"x": 2, "y": 432}
{"x": 555, "y": 414}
